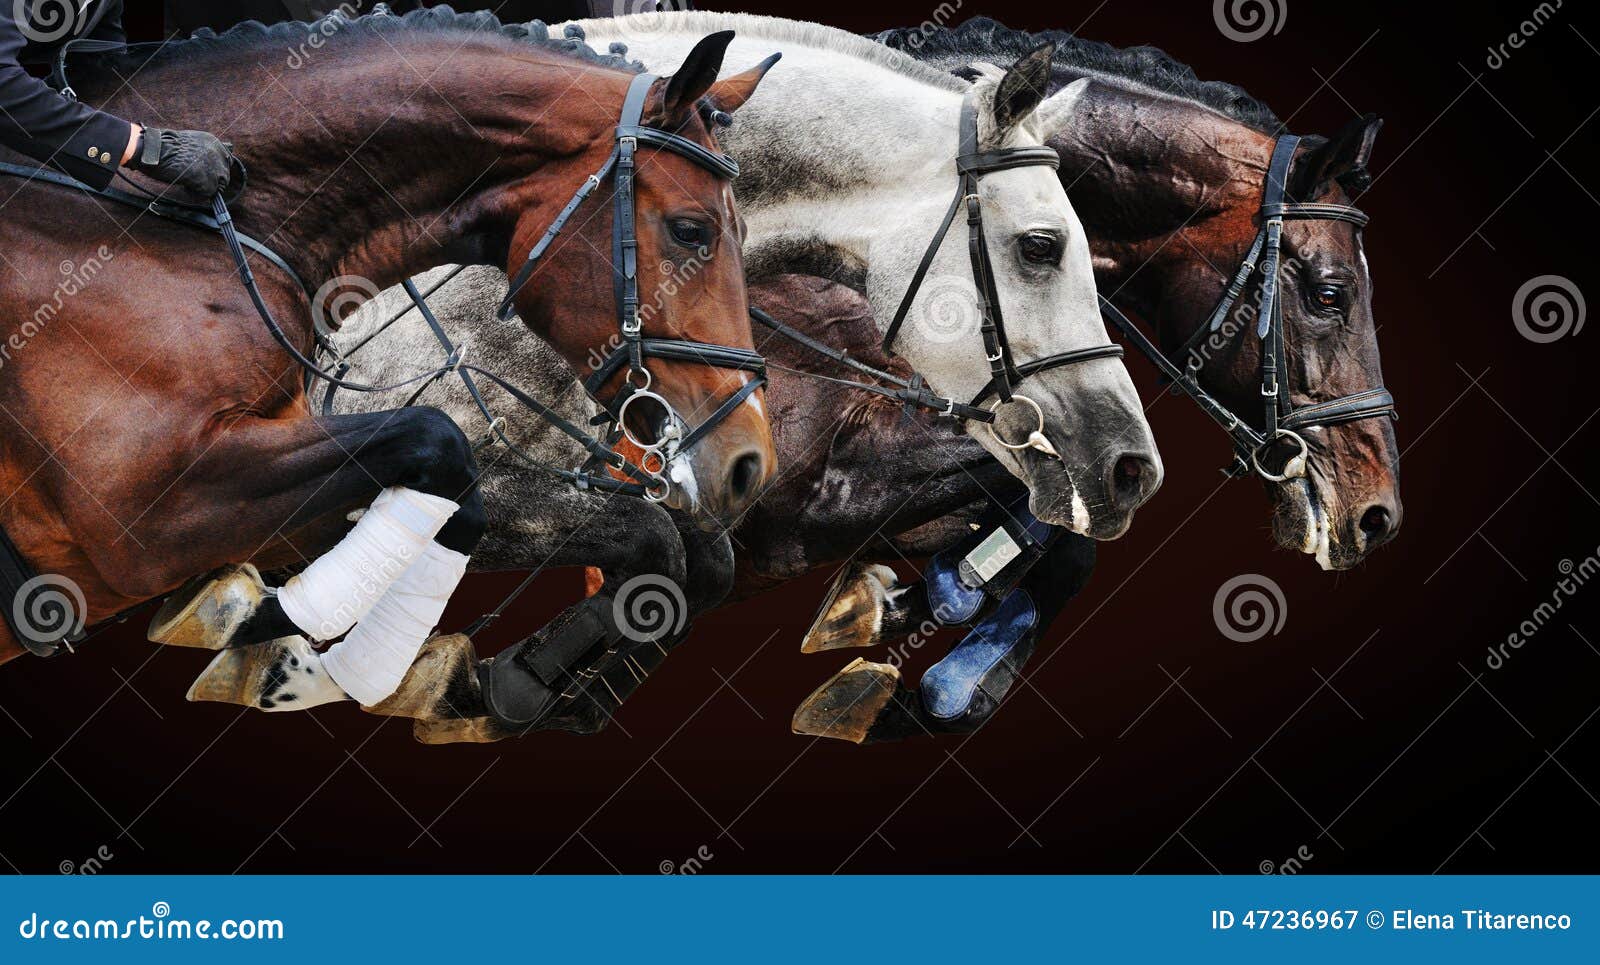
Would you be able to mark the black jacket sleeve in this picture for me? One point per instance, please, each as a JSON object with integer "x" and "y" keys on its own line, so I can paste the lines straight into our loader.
{"x": 38, "y": 122}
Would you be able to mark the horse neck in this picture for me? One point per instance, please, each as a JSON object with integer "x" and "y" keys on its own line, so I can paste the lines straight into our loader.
{"x": 830, "y": 144}
{"x": 379, "y": 163}
{"x": 1141, "y": 166}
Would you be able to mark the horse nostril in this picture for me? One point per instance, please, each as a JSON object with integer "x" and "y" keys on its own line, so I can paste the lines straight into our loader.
{"x": 745, "y": 477}
{"x": 1376, "y": 523}
{"x": 1132, "y": 480}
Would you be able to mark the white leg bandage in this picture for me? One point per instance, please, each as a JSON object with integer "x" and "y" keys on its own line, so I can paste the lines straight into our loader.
{"x": 341, "y": 585}
{"x": 371, "y": 662}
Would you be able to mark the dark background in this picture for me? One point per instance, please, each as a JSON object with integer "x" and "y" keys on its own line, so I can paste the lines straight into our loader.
{"x": 1368, "y": 736}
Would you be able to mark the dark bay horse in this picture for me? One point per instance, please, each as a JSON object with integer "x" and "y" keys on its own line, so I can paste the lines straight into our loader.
{"x": 1166, "y": 171}
{"x": 155, "y": 431}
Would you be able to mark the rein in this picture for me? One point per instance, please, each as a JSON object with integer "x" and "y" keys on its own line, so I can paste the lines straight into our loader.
{"x": 1281, "y": 420}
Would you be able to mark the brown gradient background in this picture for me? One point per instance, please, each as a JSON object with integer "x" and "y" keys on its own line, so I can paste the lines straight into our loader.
{"x": 1402, "y": 764}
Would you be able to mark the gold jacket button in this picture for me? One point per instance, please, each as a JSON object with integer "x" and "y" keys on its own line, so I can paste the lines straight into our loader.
{"x": 92, "y": 152}
{"x": 105, "y": 157}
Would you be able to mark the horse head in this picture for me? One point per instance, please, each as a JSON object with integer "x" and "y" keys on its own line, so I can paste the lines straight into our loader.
{"x": 690, "y": 287}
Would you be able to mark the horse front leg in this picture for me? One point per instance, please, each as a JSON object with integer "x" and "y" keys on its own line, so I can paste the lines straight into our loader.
{"x": 869, "y": 702}
{"x": 382, "y": 587}
{"x": 561, "y": 676}
{"x": 710, "y": 565}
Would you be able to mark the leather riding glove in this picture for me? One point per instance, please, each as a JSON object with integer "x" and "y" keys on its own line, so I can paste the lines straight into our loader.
{"x": 194, "y": 160}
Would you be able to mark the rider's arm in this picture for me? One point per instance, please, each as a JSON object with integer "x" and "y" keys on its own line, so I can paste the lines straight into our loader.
{"x": 36, "y": 121}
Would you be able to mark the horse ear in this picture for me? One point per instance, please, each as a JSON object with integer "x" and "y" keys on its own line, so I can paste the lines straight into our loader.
{"x": 1023, "y": 86}
{"x": 1341, "y": 158}
{"x": 730, "y": 94}
{"x": 694, "y": 77}
{"x": 1056, "y": 113}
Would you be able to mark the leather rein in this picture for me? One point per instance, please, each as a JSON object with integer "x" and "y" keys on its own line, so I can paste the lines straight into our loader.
{"x": 1281, "y": 420}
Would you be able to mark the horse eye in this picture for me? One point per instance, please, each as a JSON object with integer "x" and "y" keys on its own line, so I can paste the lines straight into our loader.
{"x": 1041, "y": 248}
{"x": 1328, "y": 296}
{"x": 690, "y": 233}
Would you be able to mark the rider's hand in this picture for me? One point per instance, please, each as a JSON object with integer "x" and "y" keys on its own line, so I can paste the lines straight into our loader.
{"x": 194, "y": 160}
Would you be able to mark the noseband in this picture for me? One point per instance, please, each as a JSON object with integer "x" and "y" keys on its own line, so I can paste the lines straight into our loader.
{"x": 633, "y": 347}
{"x": 1280, "y": 419}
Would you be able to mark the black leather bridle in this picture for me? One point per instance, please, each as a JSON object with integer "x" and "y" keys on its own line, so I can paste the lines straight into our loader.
{"x": 634, "y": 348}
{"x": 1004, "y": 371}
{"x": 1280, "y": 419}
{"x": 649, "y": 478}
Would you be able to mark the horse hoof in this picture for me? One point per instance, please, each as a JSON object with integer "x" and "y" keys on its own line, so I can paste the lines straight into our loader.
{"x": 852, "y": 613}
{"x": 208, "y": 610}
{"x": 442, "y": 684}
{"x": 846, "y": 707}
{"x": 476, "y": 730}
{"x": 282, "y": 674}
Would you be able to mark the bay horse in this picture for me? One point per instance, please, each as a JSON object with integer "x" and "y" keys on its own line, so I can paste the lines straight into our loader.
{"x": 847, "y": 155}
{"x": 1166, "y": 170}
{"x": 142, "y": 448}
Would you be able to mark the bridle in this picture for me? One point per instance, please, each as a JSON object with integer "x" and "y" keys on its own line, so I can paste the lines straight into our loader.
{"x": 634, "y": 348}
{"x": 1004, "y": 372}
{"x": 1280, "y": 419}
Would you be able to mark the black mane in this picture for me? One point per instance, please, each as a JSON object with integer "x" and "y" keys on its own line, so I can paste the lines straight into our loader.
{"x": 282, "y": 37}
{"x": 981, "y": 39}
